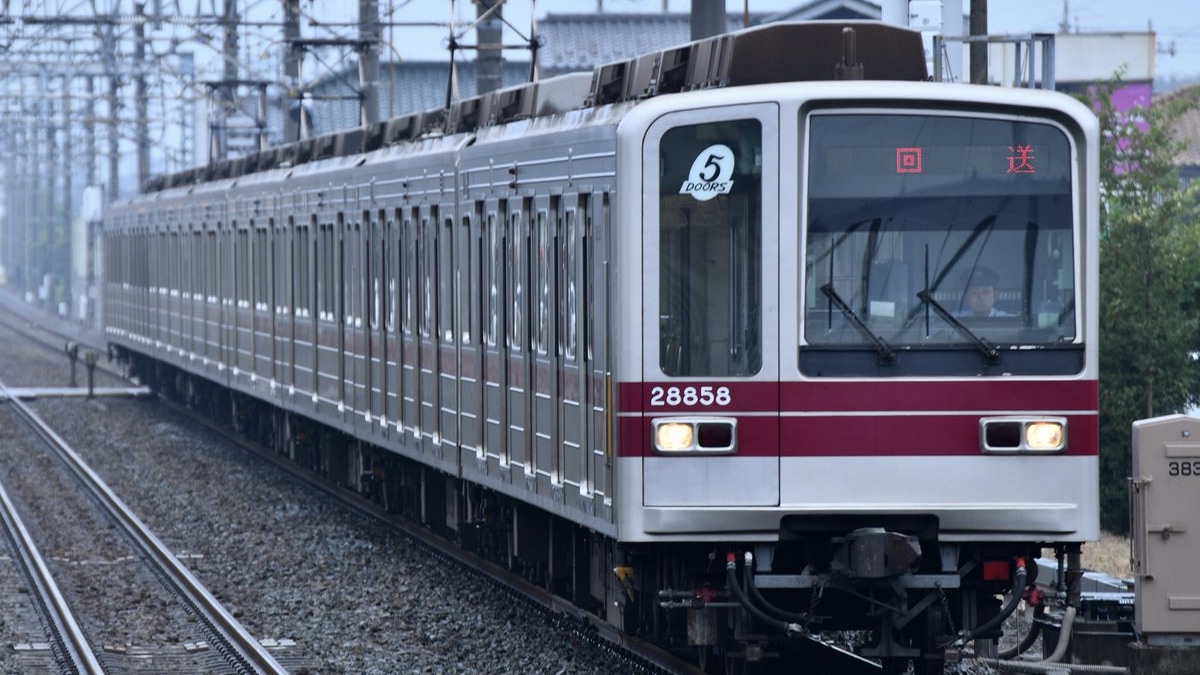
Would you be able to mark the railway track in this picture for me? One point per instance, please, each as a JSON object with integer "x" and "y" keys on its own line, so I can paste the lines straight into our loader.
{"x": 217, "y": 630}
{"x": 69, "y": 644}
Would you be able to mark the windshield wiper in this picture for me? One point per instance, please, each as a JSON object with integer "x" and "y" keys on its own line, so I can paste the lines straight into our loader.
{"x": 985, "y": 346}
{"x": 885, "y": 351}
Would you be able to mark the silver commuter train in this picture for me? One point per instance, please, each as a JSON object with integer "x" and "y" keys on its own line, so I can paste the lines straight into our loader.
{"x": 687, "y": 340}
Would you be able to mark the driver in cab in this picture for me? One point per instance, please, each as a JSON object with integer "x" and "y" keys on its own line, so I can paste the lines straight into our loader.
{"x": 979, "y": 298}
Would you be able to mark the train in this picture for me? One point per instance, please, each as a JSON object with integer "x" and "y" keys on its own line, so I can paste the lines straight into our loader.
{"x": 685, "y": 339}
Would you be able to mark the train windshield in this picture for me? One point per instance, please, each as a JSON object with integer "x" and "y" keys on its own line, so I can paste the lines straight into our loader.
{"x": 938, "y": 230}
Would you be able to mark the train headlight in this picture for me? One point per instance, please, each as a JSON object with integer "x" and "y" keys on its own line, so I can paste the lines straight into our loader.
{"x": 699, "y": 435}
{"x": 1026, "y": 435}
{"x": 673, "y": 437}
{"x": 1044, "y": 435}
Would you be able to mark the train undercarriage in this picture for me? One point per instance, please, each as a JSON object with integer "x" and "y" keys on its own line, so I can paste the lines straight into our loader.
{"x": 837, "y": 594}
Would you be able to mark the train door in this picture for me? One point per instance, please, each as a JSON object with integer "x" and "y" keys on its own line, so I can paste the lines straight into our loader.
{"x": 304, "y": 307}
{"x": 327, "y": 335}
{"x": 711, "y": 303}
{"x": 360, "y": 283}
{"x": 470, "y": 352}
{"x": 358, "y": 320}
{"x": 246, "y": 251}
{"x": 282, "y": 302}
{"x": 395, "y": 304}
{"x": 216, "y": 270}
{"x": 173, "y": 278}
{"x": 494, "y": 450}
{"x": 377, "y": 315}
{"x": 543, "y": 348}
{"x": 159, "y": 311}
{"x": 196, "y": 314}
{"x": 428, "y": 353}
{"x": 410, "y": 401}
{"x": 571, "y": 399}
{"x": 239, "y": 346}
{"x": 228, "y": 296}
{"x": 596, "y": 339}
{"x": 263, "y": 310}
{"x": 517, "y": 351}
{"x": 447, "y": 281}
{"x": 349, "y": 316}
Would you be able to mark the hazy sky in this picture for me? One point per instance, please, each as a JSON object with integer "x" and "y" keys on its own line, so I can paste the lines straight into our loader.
{"x": 1174, "y": 21}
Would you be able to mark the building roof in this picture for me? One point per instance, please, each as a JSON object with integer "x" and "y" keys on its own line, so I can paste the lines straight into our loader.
{"x": 825, "y": 10}
{"x": 574, "y": 42}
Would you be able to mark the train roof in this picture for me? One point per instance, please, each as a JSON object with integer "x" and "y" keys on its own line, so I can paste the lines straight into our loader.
{"x": 780, "y": 52}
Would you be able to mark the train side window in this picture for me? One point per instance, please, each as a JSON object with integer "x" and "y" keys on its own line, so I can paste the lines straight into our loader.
{"x": 197, "y": 258}
{"x": 425, "y": 282}
{"x": 466, "y": 283}
{"x": 493, "y": 259}
{"x": 211, "y": 264}
{"x": 567, "y": 286}
{"x": 408, "y": 253}
{"x": 516, "y": 289}
{"x": 333, "y": 254}
{"x": 262, "y": 267}
{"x": 594, "y": 273}
{"x": 279, "y": 252}
{"x": 541, "y": 283}
{"x": 300, "y": 270}
{"x": 446, "y": 280}
{"x": 392, "y": 252}
{"x": 319, "y": 265}
{"x": 323, "y": 259}
{"x": 347, "y": 289}
{"x": 710, "y": 249}
{"x": 172, "y": 256}
{"x": 241, "y": 288}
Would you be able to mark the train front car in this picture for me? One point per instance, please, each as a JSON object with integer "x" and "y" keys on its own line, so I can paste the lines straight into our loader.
{"x": 868, "y": 356}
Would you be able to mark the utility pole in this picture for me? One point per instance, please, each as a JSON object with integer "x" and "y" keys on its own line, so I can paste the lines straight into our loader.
{"x": 368, "y": 60}
{"x": 225, "y": 92}
{"x": 61, "y": 246}
{"x": 114, "y": 113}
{"x": 89, "y": 131}
{"x": 489, "y": 56}
{"x": 187, "y": 109}
{"x": 291, "y": 71}
{"x": 44, "y": 234}
{"x": 142, "y": 105}
{"x": 978, "y": 25}
{"x": 708, "y": 18}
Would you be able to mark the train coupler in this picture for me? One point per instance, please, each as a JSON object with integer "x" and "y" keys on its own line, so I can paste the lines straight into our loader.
{"x": 874, "y": 553}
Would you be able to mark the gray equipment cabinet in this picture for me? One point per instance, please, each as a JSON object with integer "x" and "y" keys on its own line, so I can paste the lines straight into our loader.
{"x": 1165, "y": 508}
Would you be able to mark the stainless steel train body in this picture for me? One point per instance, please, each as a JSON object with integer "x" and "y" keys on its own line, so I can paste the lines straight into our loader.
{"x": 726, "y": 318}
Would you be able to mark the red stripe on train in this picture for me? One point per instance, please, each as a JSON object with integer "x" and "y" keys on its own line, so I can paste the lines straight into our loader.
{"x": 990, "y": 394}
{"x": 876, "y": 396}
{"x": 824, "y": 419}
{"x": 858, "y": 436}
{"x": 908, "y": 435}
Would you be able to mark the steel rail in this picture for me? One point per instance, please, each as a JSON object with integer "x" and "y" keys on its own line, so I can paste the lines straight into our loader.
{"x": 75, "y": 647}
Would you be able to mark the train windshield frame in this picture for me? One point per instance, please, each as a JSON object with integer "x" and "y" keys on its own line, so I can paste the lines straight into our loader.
{"x": 939, "y": 242}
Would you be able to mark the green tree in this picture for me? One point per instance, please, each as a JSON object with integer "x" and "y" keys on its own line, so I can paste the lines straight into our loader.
{"x": 1149, "y": 283}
